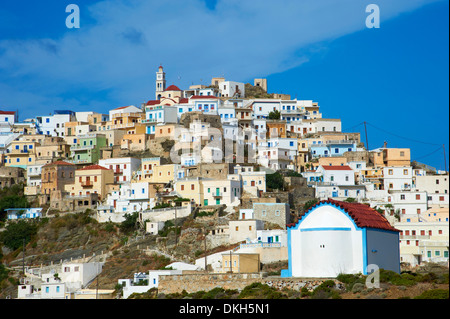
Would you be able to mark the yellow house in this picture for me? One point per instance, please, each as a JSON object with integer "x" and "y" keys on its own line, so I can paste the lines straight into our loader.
{"x": 164, "y": 173}
{"x": 21, "y": 154}
{"x": 97, "y": 119}
{"x": 332, "y": 161}
{"x": 51, "y": 148}
{"x": 166, "y": 131}
{"x": 436, "y": 214}
{"x": 275, "y": 128}
{"x": 392, "y": 157}
{"x": 147, "y": 166}
{"x": 135, "y": 138}
{"x": 240, "y": 263}
{"x": 91, "y": 179}
{"x": 191, "y": 188}
{"x": 374, "y": 175}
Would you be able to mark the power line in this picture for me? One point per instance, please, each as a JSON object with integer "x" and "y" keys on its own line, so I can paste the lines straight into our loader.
{"x": 351, "y": 128}
{"x": 406, "y": 138}
{"x": 435, "y": 151}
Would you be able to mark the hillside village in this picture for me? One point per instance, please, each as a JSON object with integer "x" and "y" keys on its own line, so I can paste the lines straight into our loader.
{"x": 277, "y": 181}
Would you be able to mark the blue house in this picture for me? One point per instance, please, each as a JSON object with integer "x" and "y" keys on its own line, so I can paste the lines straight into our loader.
{"x": 21, "y": 213}
{"x": 332, "y": 148}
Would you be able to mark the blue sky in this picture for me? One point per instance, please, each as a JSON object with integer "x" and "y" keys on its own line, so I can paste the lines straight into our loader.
{"x": 395, "y": 78}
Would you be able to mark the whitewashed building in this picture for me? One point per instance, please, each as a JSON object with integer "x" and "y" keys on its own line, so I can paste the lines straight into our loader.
{"x": 123, "y": 167}
{"x": 337, "y": 175}
{"x": 398, "y": 178}
{"x": 336, "y": 237}
{"x": 232, "y": 89}
{"x": 54, "y": 125}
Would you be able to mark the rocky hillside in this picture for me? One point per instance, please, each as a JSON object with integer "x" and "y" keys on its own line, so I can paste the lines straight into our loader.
{"x": 124, "y": 250}
{"x": 127, "y": 250}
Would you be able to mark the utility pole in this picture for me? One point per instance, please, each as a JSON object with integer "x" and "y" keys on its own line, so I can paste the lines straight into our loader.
{"x": 445, "y": 160}
{"x": 367, "y": 141}
{"x": 206, "y": 264}
{"x": 23, "y": 259}
{"x": 96, "y": 288}
{"x": 231, "y": 264}
{"x": 176, "y": 227}
{"x": 98, "y": 275}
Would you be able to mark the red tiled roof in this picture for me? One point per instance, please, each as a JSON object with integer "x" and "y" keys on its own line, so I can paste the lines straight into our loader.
{"x": 91, "y": 167}
{"x": 122, "y": 107}
{"x": 7, "y": 112}
{"x": 184, "y": 100}
{"x": 173, "y": 88}
{"x": 337, "y": 168}
{"x": 60, "y": 163}
{"x": 363, "y": 215}
{"x": 203, "y": 97}
{"x": 153, "y": 102}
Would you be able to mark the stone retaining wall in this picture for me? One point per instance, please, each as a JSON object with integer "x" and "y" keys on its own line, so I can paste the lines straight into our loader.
{"x": 198, "y": 282}
{"x": 206, "y": 282}
{"x": 297, "y": 283}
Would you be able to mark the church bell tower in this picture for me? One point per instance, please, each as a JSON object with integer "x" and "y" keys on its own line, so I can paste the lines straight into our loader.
{"x": 160, "y": 82}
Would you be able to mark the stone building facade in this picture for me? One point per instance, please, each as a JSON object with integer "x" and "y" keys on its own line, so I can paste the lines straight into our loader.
{"x": 276, "y": 213}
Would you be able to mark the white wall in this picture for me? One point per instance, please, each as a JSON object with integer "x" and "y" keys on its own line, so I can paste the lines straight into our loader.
{"x": 433, "y": 183}
{"x": 132, "y": 164}
{"x": 400, "y": 178}
{"x": 241, "y": 230}
{"x": 261, "y": 109}
{"x": 228, "y": 88}
{"x": 338, "y": 177}
{"x": 319, "y": 248}
{"x": 408, "y": 202}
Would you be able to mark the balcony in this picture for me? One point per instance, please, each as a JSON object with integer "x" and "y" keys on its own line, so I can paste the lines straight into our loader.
{"x": 151, "y": 108}
{"x": 118, "y": 171}
{"x": 414, "y": 237}
{"x": 20, "y": 152}
{"x": 295, "y": 111}
{"x": 81, "y": 147}
{"x": 217, "y": 195}
{"x": 149, "y": 121}
{"x": 341, "y": 142}
{"x": 87, "y": 184}
{"x": 81, "y": 161}
{"x": 125, "y": 115}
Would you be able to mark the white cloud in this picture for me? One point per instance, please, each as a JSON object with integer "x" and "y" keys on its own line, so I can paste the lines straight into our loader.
{"x": 121, "y": 52}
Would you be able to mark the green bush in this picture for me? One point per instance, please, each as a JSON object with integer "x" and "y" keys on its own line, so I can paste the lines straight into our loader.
{"x": 12, "y": 198}
{"x": 351, "y": 279}
{"x": 129, "y": 224}
{"x": 305, "y": 292}
{"x": 404, "y": 279}
{"x": 310, "y": 204}
{"x": 260, "y": 291}
{"x": 325, "y": 291}
{"x": 4, "y": 273}
{"x": 205, "y": 213}
{"x": 110, "y": 227}
{"x": 274, "y": 115}
{"x": 15, "y": 233}
{"x": 434, "y": 294}
{"x": 275, "y": 181}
